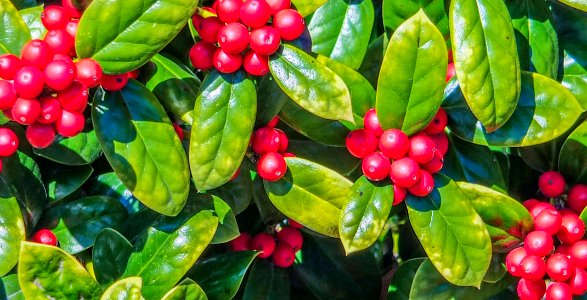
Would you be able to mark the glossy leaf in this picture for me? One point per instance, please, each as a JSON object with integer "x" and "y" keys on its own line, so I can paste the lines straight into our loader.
{"x": 81, "y": 149}
{"x": 220, "y": 276}
{"x": 575, "y": 70}
{"x": 270, "y": 100}
{"x": 224, "y": 116}
{"x": 267, "y": 281}
{"x": 9, "y": 288}
{"x": 451, "y": 232}
{"x": 237, "y": 192}
{"x": 311, "y": 194}
{"x": 227, "y": 227}
{"x": 372, "y": 63}
{"x": 13, "y": 229}
{"x": 338, "y": 159}
{"x": 546, "y": 110}
{"x": 310, "y": 84}
{"x": 365, "y": 214}
{"x": 490, "y": 75}
{"x": 123, "y": 35}
{"x": 573, "y": 156}
{"x": 400, "y": 285}
{"x": 110, "y": 255}
{"x": 187, "y": 289}
{"x": 307, "y": 7}
{"x": 48, "y": 272}
{"x": 62, "y": 181}
{"x": 397, "y": 12}
{"x": 15, "y": 32}
{"x": 412, "y": 76}
{"x": 142, "y": 147}
{"x": 108, "y": 184}
{"x": 578, "y": 4}
{"x": 128, "y": 288}
{"x": 332, "y": 36}
{"x": 32, "y": 18}
{"x": 268, "y": 212}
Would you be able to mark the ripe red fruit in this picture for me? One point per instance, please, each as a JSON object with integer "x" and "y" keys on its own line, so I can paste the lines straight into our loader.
{"x": 179, "y": 131}
{"x": 424, "y": 186}
{"x": 292, "y": 223}
{"x": 578, "y": 253}
{"x": 405, "y": 172}
{"x": 71, "y": 28}
{"x": 201, "y": 55}
{"x": 226, "y": 62}
{"x": 572, "y": 229}
{"x": 283, "y": 141}
{"x": 578, "y": 282}
{"x": 7, "y": 94}
{"x": 434, "y": 165}
{"x": 241, "y": 243}
{"x": 255, "y": 64}
{"x": 40, "y": 135}
{"x": 371, "y": 123}
{"x": 450, "y": 71}
{"x": 59, "y": 74}
{"x": 559, "y": 267}
{"x": 70, "y": 9}
{"x": 264, "y": 243}
{"x": 229, "y": 10}
{"x": 26, "y": 111}
{"x": 8, "y": 142}
{"x": 9, "y": 65}
{"x": 399, "y": 194}
{"x": 208, "y": 29}
{"x": 255, "y": 13}
{"x": 88, "y": 72}
{"x": 50, "y": 110}
{"x": 538, "y": 243}
{"x": 577, "y": 197}
{"x": 265, "y": 40}
{"x": 292, "y": 237}
{"x": 289, "y": 23}
{"x": 421, "y": 149}
{"x": 233, "y": 38}
{"x": 59, "y": 41}
{"x": 273, "y": 122}
{"x": 74, "y": 98}
{"x": 54, "y": 17}
{"x": 441, "y": 142}
{"x": 531, "y": 289}
{"x": 70, "y": 123}
{"x": 533, "y": 267}
{"x": 394, "y": 144}
{"x": 513, "y": 261}
{"x": 376, "y": 166}
{"x": 278, "y": 5}
{"x": 548, "y": 220}
{"x": 36, "y": 53}
{"x": 271, "y": 166}
{"x": 559, "y": 291}
{"x": 113, "y": 83}
{"x": 265, "y": 140}
{"x": 563, "y": 249}
{"x": 438, "y": 123}
{"x": 361, "y": 143}
{"x": 529, "y": 203}
{"x": 284, "y": 256}
{"x": 44, "y": 236}
{"x": 551, "y": 184}
{"x": 540, "y": 207}
{"x": 29, "y": 82}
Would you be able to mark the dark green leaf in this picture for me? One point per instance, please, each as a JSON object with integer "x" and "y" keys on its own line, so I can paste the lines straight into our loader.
{"x": 187, "y": 289}
{"x": 267, "y": 282}
{"x": 81, "y": 149}
{"x": 128, "y": 288}
{"x": 401, "y": 284}
{"x": 373, "y": 59}
{"x": 32, "y": 18}
{"x": 237, "y": 192}
{"x": 61, "y": 181}
{"x": 227, "y": 227}
{"x": 108, "y": 184}
{"x": 496, "y": 269}
{"x": 307, "y": 7}
{"x": 20, "y": 4}
{"x": 9, "y": 288}
{"x": 270, "y": 100}
{"x": 110, "y": 255}
{"x": 573, "y": 156}
{"x": 13, "y": 230}
{"x": 15, "y": 32}
{"x": 542, "y": 157}
{"x": 267, "y": 211}
{"x": 338, "y": 159}
{"x": 575, "y": 69}
{"x": 397, "y": 12}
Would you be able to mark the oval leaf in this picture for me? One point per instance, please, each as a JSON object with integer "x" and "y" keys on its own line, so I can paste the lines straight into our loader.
{"x": 307, "y": 7}
{"x": 401, "y": 284}
{"x": 13, "y": 230}
{"x": 310, "y": 84}
{"x": 62, "y": 181}
{"x": 573, "y": 156}
{"x": 397, "y": 12}
{"x": 108, "y": 184}
{"x": 122, "y": 35}
{"x": 110, "y": 255}
{"x": 338, "y": 159}
{"x": 81, "y": 149}
{"x": 575, "y": 70}
{"x": 311, "y": 194}
{"x": 578, "y": 4}
{"x": 32, "y": 18}
{"x": 9, "y": 288}
{"x": 237, "y": 193}
{"x": 412, "y": 77}
{"x": 451, "y": 232}
{"x": 267, "y": 281}
{"x": 15, "y": 33}
{"x": 490, "y": 75}
{"x": 128, "y": 288}
{"x": 142, "y": 147}
{"x": 187, "y": 289}
{"x": 224, "y": 117}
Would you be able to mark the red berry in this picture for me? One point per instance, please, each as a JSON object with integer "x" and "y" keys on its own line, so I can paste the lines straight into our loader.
{"x": 278, "y": 5}
{"x": 50, "y": 110}
{"x": 255, "y": 13}
{"x": 44, "y": 236}
{"x": 71, "y": 28}
{"x": 578, "y": 282}
{"x": 289, "y": 23}
{"x": 371, "y": 122}
{"x": 8, "y": 142}
{"x": 531, "y": 289}
{"x": 551, "y": 184}
{"x": 288, "y": 154}
{"x": 577, "y": 197}
{"x": 559, "y": 267}
{"x": 361, "y": 143}
{"x": 178, "y": 131}
{"x": 292, "y": 237}
{"x": 273, "y": 122}
{"x": 405, "y": 172}
{"x": 229, "y": 10}
{"x": 376, "y": 166}
{"x": 399, "y": 194}
{"x": 113, "y": 83}
{"x": 533, "y": 267}
{"x": 434, "y": 165}
{"x": 8, "y": 113}
{"x": 572, "y": 229}
{"x": 540, "y": 207}
{"x": 441, "y": 142}
{"x": 208, "y": 29}
{"x": 70, "y": 123}
{"x": 438, "y": 123}
{"x": 26, "y": 111}
{"x": 548, "y": 220}
{"x": 538, "y": 243}
{"x": 293, "y": 224}
{"x": 284, "y": 256}
{"x": 255, "y": 64}
{"x": 271, "y": 166}
{"x": 424, "y": 186}
{"x": 36, "y": 53}
{"x": 241, "y": 243}
{"x": 197, "y": 20}
{"x": 7, "y": 94}
{"x": 265, "y": 40}
{"x": 563, "y": 249}
{"x": 559, "y": 291}
{"x": 59, "y": 74}
{"x": 450, "y": 71}
{"x": 233, "y": 38}
{"x": 201, "y": 55}
{"x": 54, "y": 17}
{"x": 513, "y": 261}
{"x": 59, "y": 41}
{"x": 70, "y": 9}
{"x": 265, "y": 140}
{"x": 264, "y": 243}
{"x": 421, "y": 149}
{"x": 29, "y": 82}
{"x": 530, "y": 203}
{"x": 74, "y": 98}
{"x": 578, "y": 253}
{"x": 226, "y": 62}
{"x": 40, "y": 135}
{"x": 9, "y": 65}
{"x": 283, "y": 141}
{"x": 89, "y": 72}
{"x": 394, "y": 144}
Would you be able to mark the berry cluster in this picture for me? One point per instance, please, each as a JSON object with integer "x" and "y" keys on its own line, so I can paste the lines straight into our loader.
{"x": 271, "y": 144}
{"x": 289, "y": 241}
{"x": 244, "y": 34}
{"x": 564, "y": 258}
{"x": 408, "y": 161}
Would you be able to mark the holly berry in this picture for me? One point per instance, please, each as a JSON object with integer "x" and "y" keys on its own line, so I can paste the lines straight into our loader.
{"x": 292, "y": 223}
{"x": 208, "y": 29}
{"x": 289, "y": 23}
{"x": 70, "y": 123}
{"x": 540, "y": 207}
{"x": 559, "y": 267}
{"x": 8, "y": 142}
{"x": 54, "y": 17}
{"x": 438, "y": 123}
{"x": 361, "y": 142}
{"x": 255, "y": 13}
{"x": 233, "y": 38}
{"x": 44, "y": 236}
{"x": 284, "y": 255}
{"x": 50, "y": 110}
{"x": 405, "y": 172}
{"x": 229, "y": 10}
{"x": 114, "y": 83}
{"x": 273, "y": 122}
{"x": 70, "y": 9}
{"x": 450, "y": 71}
{"x": 7, "y": 94}
{"x": 29, "y": 82}
{"x": 578, "y": 282}
{"x": 9, "y": 65}
{"x": 572, "y": 229}
{"x": 531, "y": 289}
{"x": 74, "y": 98}
{"x": 578, "y": 253}
{"x": 265, "y": 140}
{"x": 371, "y": 123}
{"x": 178, "y": 131}
{"x": 424, "y": 186}
{"x": 559, "y": 291}
{"x": 399, "y": 194}
{"x": 376, "y": 166}
{"x": 278, "y": 5}
{"x": 394, "y": 144}
{"x": 71, "y": 28}
{"x": 441, "y": 142}
{"x": 265, "y": 40}
{"x": 283, "y": 141}
{"x": 264, "y": 243}
{"x": 59, "y": 74}
{"x": 88, "y": 72}
{"x": 255, "y": 64}
{"x": 548, "y": 220}
{"x": 271, "y": 166}
{"x": 434, "y": 165}
{"x": 533, "y": 267}
{"x": 226, "y": 62}
{"x": 201, "y": 55}
{"x": 292, "y": 237}
{"x": 241, "y": 243}
{"x": 513, "y": 261}
{"x": 59, "y": 41}
{"x": 421, "y": 149}
{"x": 538, "y": 243}
{"x": 577, "y": 197}
{"x": 551, "y": 184}
{"x": 26, "y": 111}
{"x": 36, "y": 53}
{"x": 40, "y": 135}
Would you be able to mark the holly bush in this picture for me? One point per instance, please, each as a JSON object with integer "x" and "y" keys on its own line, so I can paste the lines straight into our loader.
{"x": 318, "y": 149}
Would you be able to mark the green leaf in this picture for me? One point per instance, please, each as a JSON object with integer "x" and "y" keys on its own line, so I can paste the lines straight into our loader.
{"x": 187, "y": 289}
{"x": 397, "y": 12}
{"x": 451, "y": 232}
{"x": 412, "y": 77}
{"x": 546, "y": 110}
{"x": 331, "y": 33}
{"x": 578, "y": 4}
{"x": 372, "y": 63}
{"x": 267, "y": 282}
{"x": 128, "y": 288}
{"x": 227, "y": 227}
{"x": 32, "y": 18}
{"x": 224, "y": 117}
{"x": 108, "y": 184}
{"x": 272, "y": 100}
{"x": 237, "y": 192}
{"x": 122, "y": 35}
{"x": 507, "y": 221}
{"x": 76, "y": 224}
{"x": 220, "y": 276}
{"x": 573, "y": 156}
{"x": 142, "y": 147}
{"x": 365, "y": 214}
{"x": 81, "y": 149}
{"x": 61, "y": 181}
{"x": 110, "y": 255}
{"x": 268, "y": 212}
{"x": 307, "y": 7}
{"x": 536, "y": 37}
{"x": 401, "y": 284}
{"x": 47, "y": 272}
{"x": 15, "y": 33}
{"x": 174, "y": 84}
{"x": 310, "y": 84}
{"x": 311, "y": 194}
{"x": 13, "y": 230}
{"x": 338, "y": 159}
{"x": 9, "y": 288}
{"x": 490, "y": 75}
{"x": 575, "y": 70}
{"x": 164, "y": 253}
